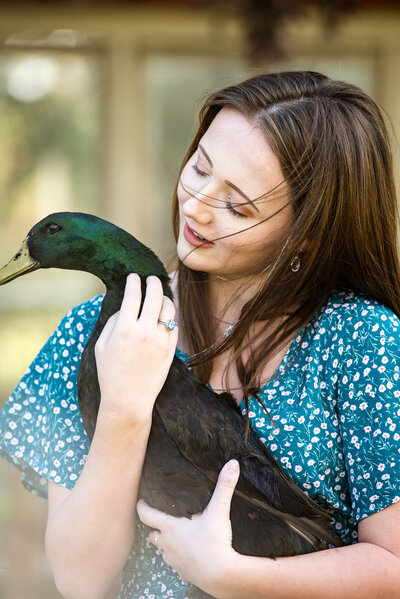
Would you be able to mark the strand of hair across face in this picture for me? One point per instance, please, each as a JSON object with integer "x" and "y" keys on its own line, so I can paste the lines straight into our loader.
{"x": 192, "y": 190}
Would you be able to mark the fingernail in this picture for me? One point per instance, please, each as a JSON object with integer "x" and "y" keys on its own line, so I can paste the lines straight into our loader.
{"x": 233, "y": 466}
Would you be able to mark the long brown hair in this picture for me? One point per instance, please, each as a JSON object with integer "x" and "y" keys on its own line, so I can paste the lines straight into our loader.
{"x": 333, "y": 148}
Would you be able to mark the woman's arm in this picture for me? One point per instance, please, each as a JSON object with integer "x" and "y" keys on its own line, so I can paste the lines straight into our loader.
{"x": 90, "y": 529}
{"x": 369, "y": 569}
{"x": 200, "y": 550}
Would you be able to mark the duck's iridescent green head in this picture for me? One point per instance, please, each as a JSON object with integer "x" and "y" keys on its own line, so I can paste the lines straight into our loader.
{"x": 78, "y": 241}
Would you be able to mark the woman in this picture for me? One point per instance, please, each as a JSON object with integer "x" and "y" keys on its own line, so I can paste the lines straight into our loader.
{"x": 288, "y": 290}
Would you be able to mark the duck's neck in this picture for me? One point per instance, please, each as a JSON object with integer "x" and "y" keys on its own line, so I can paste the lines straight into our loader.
{"x": 113, "y": 298}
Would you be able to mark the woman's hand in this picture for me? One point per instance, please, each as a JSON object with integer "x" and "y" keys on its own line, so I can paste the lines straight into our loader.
{"x": 200, "y": 548}
{"x": 134, "y": 353}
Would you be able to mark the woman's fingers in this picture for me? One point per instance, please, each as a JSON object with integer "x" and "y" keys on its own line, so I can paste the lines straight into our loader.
{"x": 150, "y": 516}
{"x": 220, "y": 502}
{"x": 156, "y": 306}
{"x": 107, "y": 330}
{"x": 130, "y": 305}
{"x": 198, "y": 548}
{"x": 128, "y": 311}
{"x": 153, "y": 301}
{"x": 154, "y": 537}
{"x": 129, "y": 378}
{"x": 167, "y": 314}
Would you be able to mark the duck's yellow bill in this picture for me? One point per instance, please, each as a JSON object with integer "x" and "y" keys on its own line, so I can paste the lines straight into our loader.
{"x": 19, "y": 265}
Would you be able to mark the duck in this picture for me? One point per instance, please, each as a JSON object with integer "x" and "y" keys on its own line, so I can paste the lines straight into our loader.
{"x": 195, "y": 430}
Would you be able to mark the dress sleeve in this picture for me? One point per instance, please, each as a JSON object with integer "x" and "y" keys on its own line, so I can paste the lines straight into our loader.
{"x": 41, "y": 431}
{"x": 369, "y": 408}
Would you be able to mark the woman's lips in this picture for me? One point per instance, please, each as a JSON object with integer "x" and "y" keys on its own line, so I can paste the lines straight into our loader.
{"x": 193, "y": 240}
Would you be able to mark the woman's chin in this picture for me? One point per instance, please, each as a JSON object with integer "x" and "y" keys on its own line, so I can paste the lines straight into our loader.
{"x": 190, "y": 256}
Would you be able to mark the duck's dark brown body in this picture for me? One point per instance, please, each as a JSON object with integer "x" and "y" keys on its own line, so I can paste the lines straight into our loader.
{"x": 195, "y": 431}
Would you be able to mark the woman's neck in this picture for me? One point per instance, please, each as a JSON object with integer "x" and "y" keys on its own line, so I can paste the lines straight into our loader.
{"x": 227, "y": 297}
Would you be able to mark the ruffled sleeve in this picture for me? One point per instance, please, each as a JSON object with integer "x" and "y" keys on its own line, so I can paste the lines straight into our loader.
{"x": 41, "y": 431}
{"x": 369, "y": 407}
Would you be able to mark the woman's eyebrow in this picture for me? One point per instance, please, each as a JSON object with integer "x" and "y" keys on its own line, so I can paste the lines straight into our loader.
{"x": 248, "y": 200}
{"x": 205, "y": 154}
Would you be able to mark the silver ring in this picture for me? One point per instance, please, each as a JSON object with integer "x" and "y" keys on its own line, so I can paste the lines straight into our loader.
{"x": 170, "y": 324}
{"x": 156, "y": 539}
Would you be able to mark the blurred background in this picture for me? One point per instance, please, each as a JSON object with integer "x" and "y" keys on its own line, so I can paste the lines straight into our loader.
{"x": 98, "y": 103}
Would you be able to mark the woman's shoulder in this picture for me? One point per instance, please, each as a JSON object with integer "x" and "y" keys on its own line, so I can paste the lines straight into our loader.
{"x": 77, "y": 324}
{"x": 41, "y": 431}
{"x": 355, "y": 325}
{"x": 353, "y": 312}
{"x": 87, "y": 311}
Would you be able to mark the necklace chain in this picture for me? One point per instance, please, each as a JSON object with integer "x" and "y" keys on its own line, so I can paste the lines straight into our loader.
{"x": 231, "y": 322}
{"x": 229, "y": 328}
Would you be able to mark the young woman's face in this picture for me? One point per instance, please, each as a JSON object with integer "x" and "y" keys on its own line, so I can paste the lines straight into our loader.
{"x": 232, "y": 194}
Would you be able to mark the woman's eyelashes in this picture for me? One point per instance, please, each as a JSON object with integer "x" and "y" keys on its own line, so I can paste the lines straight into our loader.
{"x": 228, "y": 204}
{"x": 232, "y": 210}
{"x": 198, "y": 171}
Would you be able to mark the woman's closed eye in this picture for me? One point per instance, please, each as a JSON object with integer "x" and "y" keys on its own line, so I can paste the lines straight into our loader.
{"x": 229, "y": 204}
{"x": 199, "y": 172}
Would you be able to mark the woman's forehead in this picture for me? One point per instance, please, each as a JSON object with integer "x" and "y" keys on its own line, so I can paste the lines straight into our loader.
{"x": 238, "y": 151}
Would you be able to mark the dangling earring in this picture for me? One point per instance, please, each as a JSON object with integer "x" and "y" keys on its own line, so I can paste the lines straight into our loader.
{"x": 295, "y": 264}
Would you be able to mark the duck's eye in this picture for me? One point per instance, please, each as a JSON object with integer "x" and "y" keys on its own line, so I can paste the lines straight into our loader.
{"x": 53, "y": 228}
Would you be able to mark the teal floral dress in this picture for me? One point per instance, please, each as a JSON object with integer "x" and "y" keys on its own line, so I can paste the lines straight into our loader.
{"x": 335, "y": 399}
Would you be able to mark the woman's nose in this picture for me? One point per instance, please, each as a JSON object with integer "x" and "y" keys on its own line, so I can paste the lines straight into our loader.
{"x": 198, "y": 209}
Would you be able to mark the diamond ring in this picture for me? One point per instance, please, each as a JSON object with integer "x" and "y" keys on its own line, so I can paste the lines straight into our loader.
{"x": 170, "y": 324}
